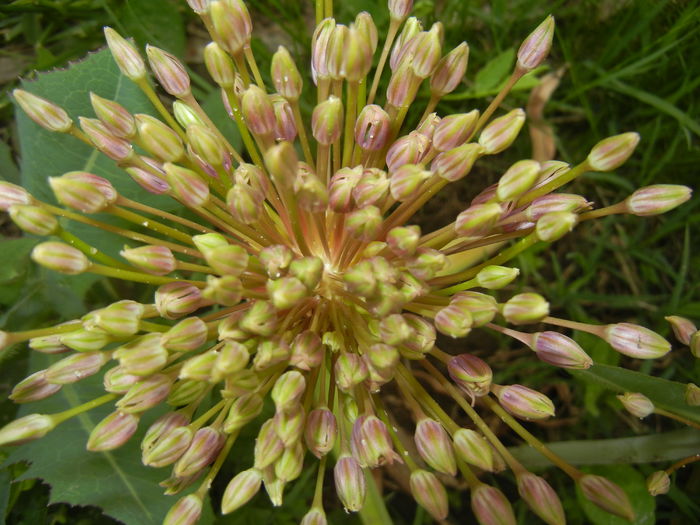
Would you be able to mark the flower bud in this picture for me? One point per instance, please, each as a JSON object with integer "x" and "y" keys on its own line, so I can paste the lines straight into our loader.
{"x": 471, "y": 374}
{"x": 478, "y": 219}
{"x": 427, "y": 51}
{"x": 365, "y": 24}
{"x": 434, "y": 446}
{"x": 244, "y": 203}
{"x": 142, "y": 356}
{"x": 186, "y": 511}
{"x": 350, "y": 371}
{"x": 244, "y": 410}
{"x": 281, "y": 161}
{"x": 612, "y": 152}
{"x": 559, "y": 350}
{"x": 320, "y": 432}
{"x": 536, "y": 46}
{"x": 500, "y": 133}
{"x": 275, "y": 259}
{"x": 399, "y": 9}
{"x": 406, "y": 181}
{"x": 11, "y": 194}
{"x": 482, "y": 307}
{"x": 206, "y": 144}
{"x": 44, "y": 112}
{"x": 288, "y": 390}
{"x": 26, "y": 429}
{"x": 541, "y": 498}
{"x": 453, "y": 320}
{"x": 409, "y": 149}
{"x": 219, "y": 65}
{"x": 637, "y": 404}
{"x": 327, "y": 121}
{"x": 429, "y": 493}
{"x": 518, "y": 179}
{"x": 270, "y": 353}
{"x": 120, "y": 319}
{"x": 159, "y": 139}
{"x": 286, "y": 292}
{"x": 525, "y": 308}
{"x": 319, "y": 48}
{"x": 692, "y": 395}
{"x": 186, "y": 185}
{"x": 76, "y": 367}
{"x": 187, "y": 335}
{"x": 112, "y": 432}
{"x": 241, "y": 490}
{"x": 85, "y": 340}
{"x": 450, "y": 70}
{"x": 258, "y": 111}
{"x": 308, "y": 270}
{"x": 156, "y": 260}
{"x": 233, "y": 357}
{"x": 268, "y": 445}
{"x": 151, "y": 182}
{"x": 335, "y": 52}
{"x": 364, "y": 223}
{"x": 553, "y": 226}
{"x": 473, "y": 448}
{"x": 125, "y": 55}
{"x": 315, "y": 516}
{"x": 341, "y": 188}
{"x": 231, "y": 23}
{"x": 33, "y": 388}
{"x": 656, "y": 199}
{"x": 285, "y": 124}
{"x": 78, "y": 190}
{"x": 169, "y": 71}
{"x": 357, "y": 54}
{"x": 372, "y": 128}
{"x": 199, "y": 367}
{"x": 290, "y": 464}
{"x": 555, "y": 202}
{"x": 307, "y": 350}
{"x": 636, "y": 341}
{"x": 203, "y": 450}
{"x": 496, "y": 277}
{"x": 350, "y": 484}
{"x": 177, "y": 299}
{"x": 606, "y": 495}
{"x": 186, "y": 116}
{"x": 289, "y": 426}
{"x": 186, "y": 392}
{"x": 33, "y": 219}
{"x": 683, "y": 328}
{"x": 490, "y": 506}
{"x": 453, "y": 130}
{"x": 423, "y": 339}
{"x": 371, "y": 444}
{"x": 524, "y": 402}
{"x": 403, "y": 85}
{"x": 145, "y": 394}
{"x": 285, "y": 75}
{"x": 161, "y": 427}
{"x": 658, "y": 483}
{"x": 114, "y": 116}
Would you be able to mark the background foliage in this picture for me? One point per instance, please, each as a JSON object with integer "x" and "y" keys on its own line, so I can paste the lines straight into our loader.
{"x": 624, "y": 65}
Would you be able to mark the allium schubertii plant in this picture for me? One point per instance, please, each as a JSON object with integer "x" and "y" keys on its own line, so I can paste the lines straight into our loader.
{"x": 295, "y": 274}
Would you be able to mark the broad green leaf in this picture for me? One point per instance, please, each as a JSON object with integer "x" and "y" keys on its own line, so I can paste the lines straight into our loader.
{"x": 665, "y": 394}
{"x": 495, "y": 71}
{"x": 8, "y": 169}
{"x": 14, "y": 254}
{"x": 634, "y": 485}
{"x": 155, "y": 22}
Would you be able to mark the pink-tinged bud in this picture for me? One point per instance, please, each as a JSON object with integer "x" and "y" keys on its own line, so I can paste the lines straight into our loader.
{"x": 125, "y": 55}
{"x": 320, "y": 47}
{"x": 403, "y": 85}
{"x": 288, "y": 390}
{"x": 658, "y": 483}
{"x": 177, "y": 299}
{"x": 233, "y": 357}
{"x": 555, "y": 202}
{"x": 145, "y": 394}
{"x": 207, "y": 242}
{"x": 364, "y": 223}
{"x": 26, "y": 429}
{"x": 83, "y": 191}
{"x": 429, "y": 493}
{"x": 33, "y": 219}
{"x": 335, "y": 52}
{"x": 692, "y": 395}
{"x": 636, "y": 341}
{"x": 114, "y": 116}
{"x": 121, "y": 319}
{"x": 500, "y": 133}
{"x": 275, "y": 259}
{"x": 244, "y": 203}
{"x": 524, "y": 402}
{"x": 656, "y": 199}
{"x": 219, "y": 65}
{"x": 44, "y": 112}
{"x": 606, "y": 495}
{"x": 200, "y": 7}
{"x": 309, "y": 270}
{"x": 290, "y": 464}
{"x": 357, "y": 54}
{"x": 185, "y": 115}
{"x": 491, "y": 507}
{"x": 289, "y": 425}
{"x": 117, "y": 381}
{"x": 199, "y": 367}
{"x": 381, "y": 360}
{"x": 409, "y": 149}
{"x": 321, "y": 431}
{"x": 159, "y": 139}
{"x": 85, "y": 340}
{"x": 423, "y": 339}
{"x": 637, "y": 404}
{"x": 226, "y": 290}
{"x": 399, "y": 9}
{"x": 281, "y": 161}
{"x": 365, "y": 24}
{"x": 149, "y": 181}
{"x": 403, "y": 240}
{"x": 683, "y": 328}
{"x": 473, "y": 448}
{"x": 187, "y": 335}
{"x": 695, "y": 344}
{"x": 455, "y": 164}
{"x": 156, "y": 260}
{"x": 169, "y": 71}
{"x": 426, "y": 263}
{"x": 536, "y": 46}
{"x": 371, "y": 443}
{"x": 241, "y": 490}
{"x": 403, "y": 43}
{"x": 428, "y": 125}
{"x": 258, "y": 111}
{"x": 60, "y": 257}
{"x": 260, "y": 319}
{"x": 341, "y": 188}
{"x": 450, "y": 71}
{"x": 553, "y": 226}
{"x": 327, "y": 121}
{"x": 478, "y": 219}
{"x": 372, "y": 128}
{"x": 496, "y": 277}
{"x": 112, "y": 432}
{"x": 11, "y": 194}
{"x": 434, "y": 446}
{"x": 311, "y": 192}
{"x": 612, "y": 152}
{"x": 453, "y": 320}
{"x": 307, "y": 351}
{"x": 206, "y": 144}
{"x": 268, "y": 445}
{"x": 315, "y": 516}
{"x": 33, "y": 388}
{"x": 186, "y": 392}
{"x": 470, "y": 373}
{"x": 231, "y": 23}
{"x": 360, "y": 280}
{"x": 350, "y": 484}
{"x": 75, "y": 367}
{"x": 518, "y": 179}
{"x": 394, "y": 330}
{"x": 286, "y": 292}
{"x": 525, "y": 308}
{"x": 559, "y": 350}
{"x": 203, "y": 450}
{"x": 541, "y": 498}
{"x": 244, "y": 410}
{"x": 285, "y": 125}
{"x": 427, "y": 51}
{"x": 350, "y": 371}
{"x": 186, "y": 185}
{"x": 285, "y": 75}
{"x": 142, "y": 356}
{"x": 114, "y": 147}
{"x": 186, "y": 511}
{"x": 482, "y": 307}
{"x": 161, "y": 427}
{"x": 453, "y": 130}
{"x": 406, "y": 181}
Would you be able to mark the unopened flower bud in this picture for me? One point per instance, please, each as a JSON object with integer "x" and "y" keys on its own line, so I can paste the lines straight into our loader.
{"x": 350, "y": 484}
{"x": 559, "y": 350}
{"x": 472, "y": 374}
{"x": 403, "y": 240}
{"x": 288, "y": 390}
{"x": 541, "y": 498}
{"x": 159, "y": 139}
{"x": 607, "y": 495}
{"x": 85, "y": 340}
{"x": 231, "y": 23}
{"x": 555, "y": 202}
{"x": 307, "y": 350}
{"x": 496, "y": 277}
{"x": 423, "y": 339}
{"x": 156, "y": 260}
{"x": 450, "y": 70}
{"x": 114, "y": 116}
{"x": 187, "y": 335}
{"x": 409, "y": 149}
{"x": 206, "y": 144}
{"x": 372, "y": 128}
{"x": 611, "y": 153}
{"x": 125, "y": 55}
{"x": 186, "y": 511}
{"x": 275, "y": 259}
{"x": 524, "y": 402}
{"x": 473, "y": 448}
{"x": 268, "y": 445}
{"x": 364, "y": 223}
{"x": 258, "y": 111}
{"x": 320, "y": 432}
{"x": 327, "y": 121}
{"x": 371, "y": 443}
{"x": 483, "y": 308}
{"x": 33, "y": 388}
{"x": 453, "y": 320}
{"x": 319, "y": 48}
{"x": 169, "y": 71}
{"x": 308, "y": 270}
{"x": 553, "y": 226}
{"x": 145, "y": 394}
{"x": 692, "y": 395}
{"x": 11, "y": 194}
{"x": 365, "y": 24}
{"x": 490, "y": 506}
{"x": 407, "y": 180}
{"x": 399, "y": 9}
{"x": 186, "y": 185}
{"x": 454, "y": 130}
{"x": 656, "y": 199}
{"x": 315, "y": 516}
{"x": 478, "y": 219}
{"x": 177, "y": 299}
{"x": 285, "y": 75}
{"x": 289, "y": 465}
{"x": 26, "y": 429}
{"x": 33, "y": 219}
{"x": 205, "y": 446}
{"x": 60, "y": 257}
{"x": 199, "y": 367}
{"x": 187, "y": 391}
{"x": 519, "y": 178}
{"x": 83, "y": 191}
{"x": 142, "y": 356}
{"x": 350, "y": 371}
{"x": 658, "y": 483}
{"x": 536, "y": 46}
{"x": 44, "y": 112}
{"x": 244, "y": 203}
{"x": 683, "y": 328}
{"x": 636, "y": 341}
{"x": 403, "y": 85}
{"x": 357, "y": 54}
{"x": 285, "y": 124}
{"x": 637, "y": 404}
{"x": 281, "y": 161}
{"x": 244, "y": 409}
{"x": 219, "y": 65}
{"x": 427, "y": 51}
{"x": 241, "y": 490}
{"x": 434, "y": 446}
{"x": 525, "y": 308}
{"x": 429, "y": 493}
{"x": 112, "y": 432}
{"x": 500, "y": 133}
{"x": 271, "y": 352}
{"x": 149, "y": 181}
{"x": 286, "y": 292}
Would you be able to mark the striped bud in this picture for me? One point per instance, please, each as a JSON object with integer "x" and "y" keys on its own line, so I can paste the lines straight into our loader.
{"x": 203, "y": 450}
{"x": 244, "y": 203}
{"x": 524, "y": 402}
{"x": 289, "y": 426}
{"x": 429, "y": 493}
{"x": 227, "y": 259}
{"x": 76, "y": 367}
{"x": 83, "y": 191}
{"x": 656, "y": 199}
{"x": 559, "y": 350}
{"x": 541, "y": 498}
{"x": 500, "y": 133}
{"x": 553, "y": 226}
{"x": 117, "y": 381}
{"x": 612, "y": 152}
{"x": 187, "y": 335}
{"x": 450, "y": 71}
{"x": 315, "y": 516}
{"x": 478, "y": 219}
{"x": 145, "y": 394}
{"x": 169, "y": 71}
{"x": 372, "y": 128}
{"x": 114, "y": 116}
{"x": 268, "y": 446}
{"x": 409, "y": 149}
{"x": 285, "y": 75}
{"x": 399, "y": 9}
{"x": 231, "y": 23}
{"x": 536, "y": 46}
{"x": 114, "y": 147}
{"x": 364, "y": 223}
{"x": 244, "y": 409}
{"x": 186, "y": 185}
{"x": 159, "y": 139}
{"x": 518, "y": 179}
{"x": 637, "y": 404}
{"x": 636, "y": 341}
{"x": 308, "y": 270}
{"x": 270, "y": 353}
{"x": 473, "y": 448}
{"x": 658, "y": 483}
{"x": 85, "y": 340}
{"x": 683, "y": 328}
{"x": 142, "y": 356}
{"x": 177, "y": 299}
{"x": 241, "y": 490}
{"x": 406, "y": 181}
{"x": 327, "y": 121}
{"x": 199, "y": 367}
{"x": 427, "y": 50}
{"x": 350, "y": 484}
{"x": 258, "y": 111}
{"x": 289, "y": 465}
{"x": 470, "y": 373}
{"x": 490, "y": 506}
{"x": 33, "y": 388}
{"x": 306, "y": 350}
{"x": 555, "y": 202}
{"x": 44, "y": 112}
{"x": 350, "y": 371}
{"x": 11, "y": 194}
{"x": 120, "y": 319}
{"x": 454, "y": 130}
{"x": 285, "y": 124}
{"x": 453, "y": 320}
{"x": 149, "y": 181}
{"x": 286, "y": 292}
{"x": 496, "y": 277}
{"x": 33, "y": 219}
{"x": 525, "y": 308}
{"x": 219, "y": 65}
{"x": 357, "y": 54}
{"x": 288, "y": 390}
{"x": 434, "y": 446}
{"x": 319, "y": 49}
{"x": 26, "y": 429}
{"x": 206, "y": 144}
{"x": 371, "y": 443}
{"x": 156, "y": 260}
{"x": 112, "y": 432}
{"x": 482, "y": 307}
{"x": 186, "y": 511}
{"x": 607, "y": 495}
{"x": 692, "y": 395}
{"x": 275, "y": 259}
{"x": 403, "y": 240}
{"x": 186, "y": 392}
{"x": 125, "y": 55}
{"x": 320, "y": 432}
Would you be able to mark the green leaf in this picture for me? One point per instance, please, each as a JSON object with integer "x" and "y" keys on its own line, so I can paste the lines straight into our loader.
{"x": 665, "y": 394}
{"x": 495, "y": 71}
{"x": 8, "y": 169}
{"x": 156, "y": 22}
{"x": 634, "y": 485}
{"x": 115, "y": 481}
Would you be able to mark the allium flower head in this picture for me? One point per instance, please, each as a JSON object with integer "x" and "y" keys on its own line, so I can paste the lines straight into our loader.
{"x": 293, "y": 272}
